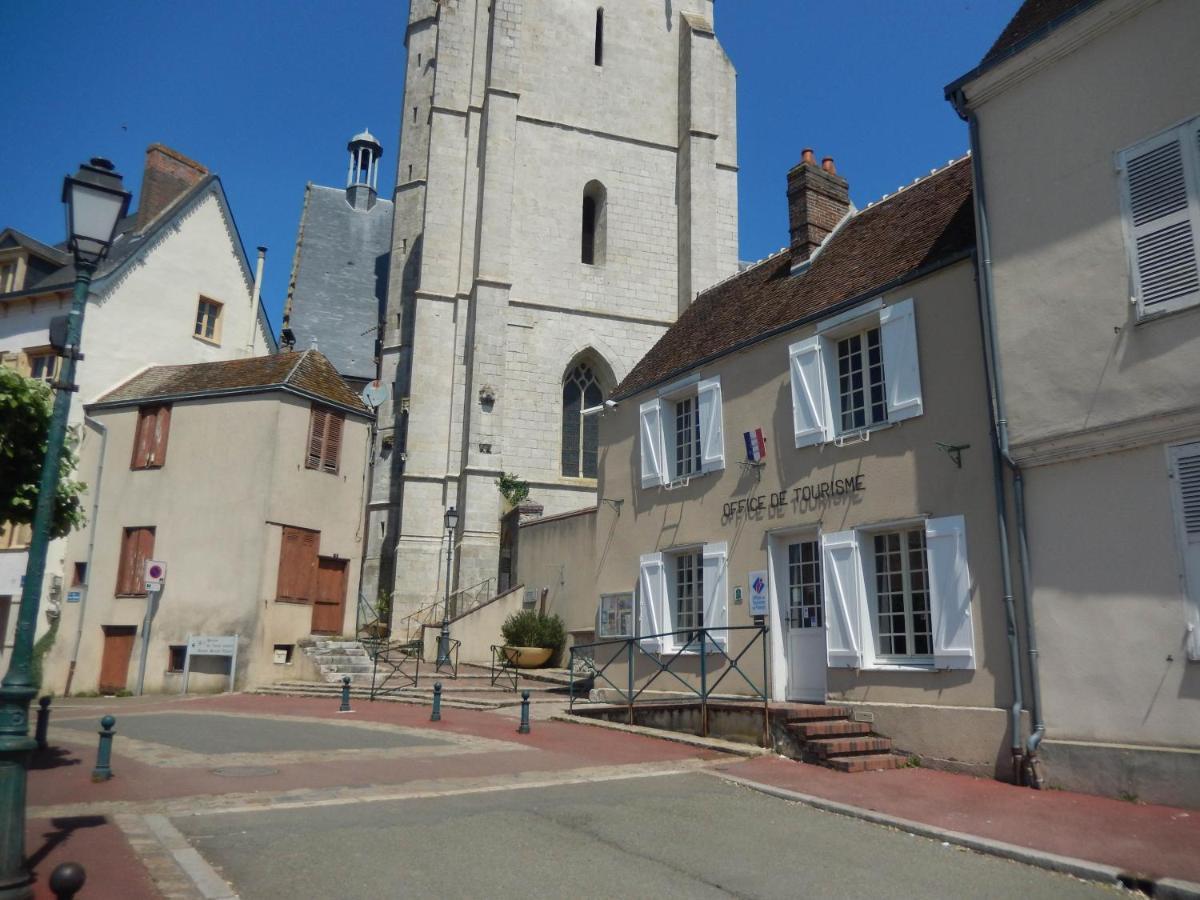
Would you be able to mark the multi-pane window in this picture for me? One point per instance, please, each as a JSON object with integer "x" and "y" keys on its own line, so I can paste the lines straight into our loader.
{"x": 324, "y": 440}
{"x": 805, "y": 603}
{"x": 208, "y": 320}
{"x": 689, "y": 595}
{"x": 580, "y": 433}
{"x": 905, "y": 626}
{"x": 43, "y": 365}
{"x": 863, "y": 401}
{"x": 687, "y": 437}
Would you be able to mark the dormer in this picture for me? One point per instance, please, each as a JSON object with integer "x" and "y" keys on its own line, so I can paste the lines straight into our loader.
{"x": 24, "y": 262}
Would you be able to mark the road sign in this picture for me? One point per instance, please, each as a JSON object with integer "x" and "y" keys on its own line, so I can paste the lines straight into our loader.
{"x": 758, "y": 593}
{"x": 156, "y": 574}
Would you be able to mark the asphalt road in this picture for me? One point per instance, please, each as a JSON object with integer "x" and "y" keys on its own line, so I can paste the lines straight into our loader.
{"x": 686, "y": 835}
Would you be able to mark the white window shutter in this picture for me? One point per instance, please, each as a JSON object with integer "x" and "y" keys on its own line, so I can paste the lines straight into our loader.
{"x": 901, "y": 367}
{"x": 653, "y": 452}
{"x": 810, "y": 401}
{"x": 843, "y": 583}
{"x": 712, "y": 437}
{"x": 652, "y": 596}
{"x": 1185, "y": 472}
{"x": 1162, "y": 209}
{"x": 716, "y": 591}
{"x": 950, "y": 593}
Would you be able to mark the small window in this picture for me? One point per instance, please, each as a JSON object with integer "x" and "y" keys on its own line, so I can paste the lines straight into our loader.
{"x": 43, "y": 365}
{"x": 15, "y": 537}
{"x": 178, "y": 657}
{"x": 862, "y": 401}
{"x": 599, "y": 58}
{"x": 137, "y": 546}
{"x": 593, "y": 238}
{"x": 324, "y": 440}
{"x": 616, "y": 616}
{"x": 208, "y": 320}
{"x": 150, "y": 437}
{"x": 687, "y": 437}
{"x": 904, "y": 626}
{"x": 8, "y": 277}
{"x": 79, "y": 576}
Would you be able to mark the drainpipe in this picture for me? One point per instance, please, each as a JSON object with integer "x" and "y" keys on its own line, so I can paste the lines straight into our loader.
{"x": 254, "y": 299}
{"x": 87, "y": 589}
{"x": 1030, "y": 771}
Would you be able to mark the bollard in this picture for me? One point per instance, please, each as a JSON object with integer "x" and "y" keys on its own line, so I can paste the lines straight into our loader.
{"x": 103, "y": 770}
{"x": 436, "y": 715}
{"x": 345, "y": 707}
{"x": 66, "y": 880}
{"x": 523, "y": 728}
{"x": 43, "y": 722}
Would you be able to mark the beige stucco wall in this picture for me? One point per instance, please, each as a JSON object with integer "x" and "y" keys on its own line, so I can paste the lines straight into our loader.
{"x": 233, "y": 475}
{"x": 556, "y": 554}
{"x": 905, "y": 476}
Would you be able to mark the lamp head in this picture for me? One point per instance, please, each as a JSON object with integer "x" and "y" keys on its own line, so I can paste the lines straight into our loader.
{"x": 451, "y": 519}
{"x": 96, "y": 202}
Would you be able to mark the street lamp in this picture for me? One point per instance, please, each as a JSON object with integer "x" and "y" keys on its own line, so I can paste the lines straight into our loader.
{"x": 443, "y": 655}
{"x": 96, "y": 201}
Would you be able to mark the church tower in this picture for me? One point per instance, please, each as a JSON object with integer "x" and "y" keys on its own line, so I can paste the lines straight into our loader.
{"x": 566, "y": 184}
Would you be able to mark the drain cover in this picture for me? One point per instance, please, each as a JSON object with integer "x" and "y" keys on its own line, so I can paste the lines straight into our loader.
{"x": 245, "y": 771}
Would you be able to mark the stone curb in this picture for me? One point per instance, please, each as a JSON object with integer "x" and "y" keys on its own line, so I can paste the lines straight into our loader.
{"x": 1173, "y": 888}
{"x": 691, "y": 740}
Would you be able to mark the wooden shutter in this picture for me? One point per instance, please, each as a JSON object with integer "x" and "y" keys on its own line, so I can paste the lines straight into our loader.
{"x": 316, "y": 438}
{"x": 1162, "y": 206}
{"x": 297, "y": 564}
{"x": 810, "y": 405}
{"x": 950, "y": 593}
{"x": 652, "y": 591}
{"x": 333, "y": 441}
{"x": 142, "y": 434}
{"x": 653, "y": 451}
{"x": 125, "y": 562}
{"x": 712, "y": 438}
{"x": 161, "y": 427}
{"x": 137, "y": 546}
{"x": 716, "y": 591}
{"x": 843, "y": 587}
{"x": 901, "y": 369}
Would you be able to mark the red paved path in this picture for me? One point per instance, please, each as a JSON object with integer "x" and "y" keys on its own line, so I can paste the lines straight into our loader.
{"x": 113, "y": 869}
{"x": 1157, "y": 841}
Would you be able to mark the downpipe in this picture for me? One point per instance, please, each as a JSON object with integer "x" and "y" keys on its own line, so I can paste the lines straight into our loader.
{"x": 1034, "y": 773}
{"x": 103, "y": 429}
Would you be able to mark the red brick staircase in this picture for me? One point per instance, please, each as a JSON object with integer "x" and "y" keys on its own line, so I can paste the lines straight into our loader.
{"x": 828, "y": 736}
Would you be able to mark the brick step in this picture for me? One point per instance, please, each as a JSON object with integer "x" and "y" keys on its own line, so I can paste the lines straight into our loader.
{"x": 834, "y": 728}
{"x": 825, "y": 748}
{"x": 815, "y": 712}
{"x": 869, "y": 762}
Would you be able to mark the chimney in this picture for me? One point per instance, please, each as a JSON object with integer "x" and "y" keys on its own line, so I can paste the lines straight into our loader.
{"x": 167, "y": 176}
{"x": 818, "y": 198}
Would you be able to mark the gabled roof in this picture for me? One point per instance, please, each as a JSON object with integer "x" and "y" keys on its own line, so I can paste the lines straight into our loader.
{"x": 308, "y": 374}
{"x": 1032, "y": 21}
{"x": 10, "y": 237}
{"x": 918, "y": 229}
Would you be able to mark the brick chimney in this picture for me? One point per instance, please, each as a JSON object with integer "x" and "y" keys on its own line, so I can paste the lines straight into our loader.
{"x": 818, "y": 198}
{"x": 168, "y": 174}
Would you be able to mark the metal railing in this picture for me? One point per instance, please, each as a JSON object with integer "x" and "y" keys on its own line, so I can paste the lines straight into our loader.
{"x": 504, "y": 666}
{"x": 446, "y": 661}
{"x": 694, "y": 645}
{"x": 392, "y": 658}
{"x": 460, "y": 603}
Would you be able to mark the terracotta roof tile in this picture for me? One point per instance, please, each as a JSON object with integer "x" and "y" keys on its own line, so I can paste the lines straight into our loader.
{"x": 925, "y": 223}
{"x": 308, "y": 373}
{"x": 1033, "y": 16}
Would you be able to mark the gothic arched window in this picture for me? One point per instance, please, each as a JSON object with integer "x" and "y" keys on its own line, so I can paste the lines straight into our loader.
{"x": 580, "y": 433}
{"x": 594, "y": 214}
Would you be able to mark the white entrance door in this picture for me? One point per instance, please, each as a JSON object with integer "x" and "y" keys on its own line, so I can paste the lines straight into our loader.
{"x": 1185, "y": 470}
{"x": 802, "y": 610}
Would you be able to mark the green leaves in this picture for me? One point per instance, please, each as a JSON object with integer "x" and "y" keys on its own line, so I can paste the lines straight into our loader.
{"x": 512, "y": 488}
{"x": 530, "y": 628}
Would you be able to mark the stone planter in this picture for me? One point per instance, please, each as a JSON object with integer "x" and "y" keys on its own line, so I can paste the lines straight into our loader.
{"x": 527, "y": 657}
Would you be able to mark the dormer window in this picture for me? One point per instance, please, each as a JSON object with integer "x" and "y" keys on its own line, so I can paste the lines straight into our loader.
{"x": 8, "y": 277}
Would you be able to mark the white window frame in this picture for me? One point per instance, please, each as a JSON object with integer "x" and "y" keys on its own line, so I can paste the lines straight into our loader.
{"x": 1187, "y": 133}
{"x": 657, "y": 431}
{"x": 658, "y": 601}
{"x": 871, "y": 573}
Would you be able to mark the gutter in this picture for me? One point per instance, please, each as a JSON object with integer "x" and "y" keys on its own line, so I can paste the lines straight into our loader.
{"x": 87, "y": 589}
{"x": 230, "y": 392}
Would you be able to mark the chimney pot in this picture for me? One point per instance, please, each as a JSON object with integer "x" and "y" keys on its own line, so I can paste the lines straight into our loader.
{"x": 818, "y": 199}
{"x": 806, "y": 155}
{"x": 828, "y": 166}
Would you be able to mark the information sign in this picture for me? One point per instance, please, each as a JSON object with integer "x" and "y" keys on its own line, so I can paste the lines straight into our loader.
{"x": 211, "y": 645}
{"x": 758, "y": 593}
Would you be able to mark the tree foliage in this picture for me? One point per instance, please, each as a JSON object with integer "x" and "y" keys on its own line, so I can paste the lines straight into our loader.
{"x": 512, "y": 488}
{"x": 25, "y": 410}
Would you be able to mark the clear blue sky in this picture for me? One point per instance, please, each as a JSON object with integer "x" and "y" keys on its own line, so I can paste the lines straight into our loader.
{"x": 267, "y": 93}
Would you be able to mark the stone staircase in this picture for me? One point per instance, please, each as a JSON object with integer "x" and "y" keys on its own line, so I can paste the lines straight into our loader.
{"x": 827, "y": 735}
{"x": 335, "y": 659}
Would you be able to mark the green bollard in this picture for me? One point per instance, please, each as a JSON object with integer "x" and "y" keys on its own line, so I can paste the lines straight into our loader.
{"x": 66, "y": 880}
{"x": 436, "y": 715}
{"x": 345, "y": 707}
{"x": 103, "y": 770}
{"x": 43, "y": 722}
{"x": 523, "y": 728}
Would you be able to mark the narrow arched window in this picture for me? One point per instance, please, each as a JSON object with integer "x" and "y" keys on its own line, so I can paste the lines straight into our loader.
{"x": 600, "y": 37}
{"x": 592, "y": 240}
{"x": 580, "y": 431}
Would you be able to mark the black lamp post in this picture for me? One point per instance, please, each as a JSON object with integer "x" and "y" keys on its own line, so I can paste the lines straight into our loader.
{"x": 96, "y": 201}
{"x": 443, "y": 656}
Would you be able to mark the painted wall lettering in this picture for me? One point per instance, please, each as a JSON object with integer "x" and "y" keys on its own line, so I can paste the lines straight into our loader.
{"x": 776, "y": 502}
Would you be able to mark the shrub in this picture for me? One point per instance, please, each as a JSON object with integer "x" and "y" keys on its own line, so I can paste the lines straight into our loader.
{"x": 530, "y": 628}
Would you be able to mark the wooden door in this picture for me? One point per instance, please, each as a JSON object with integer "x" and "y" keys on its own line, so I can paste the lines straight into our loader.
{"x": 329, "y": 600}
{"x": 114, "y": 664}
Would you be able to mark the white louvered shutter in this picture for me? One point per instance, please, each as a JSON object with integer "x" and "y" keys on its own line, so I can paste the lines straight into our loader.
{"x": 716, "y": 591}
{"x": 1162, "y": 201}
{"x": 901, "y": 366}
{"x": 810, "y": 401}
{"x": 950, "y": 593}
{"x": 651, "y": 438}
{"x": 843, "y": 584}
{"x": 1185, "y": 472}
{"x": 712, "y": 438}
{"x": 652, "y": 598}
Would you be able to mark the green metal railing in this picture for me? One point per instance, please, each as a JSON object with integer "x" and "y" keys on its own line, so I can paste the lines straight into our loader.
{"x": 392, "y": 659}
{"x": 693, "y": 644}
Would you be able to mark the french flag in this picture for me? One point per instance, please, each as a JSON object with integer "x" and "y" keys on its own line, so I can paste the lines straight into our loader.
{"x": 756, "y": 445}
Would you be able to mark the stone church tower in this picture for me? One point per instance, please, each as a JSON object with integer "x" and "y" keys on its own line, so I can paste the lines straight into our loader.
{"x": 566, "y": 184}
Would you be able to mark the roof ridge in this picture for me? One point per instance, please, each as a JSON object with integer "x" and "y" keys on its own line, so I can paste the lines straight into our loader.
{"x": 934, "y": 172}
{"x": 292, "y": 371}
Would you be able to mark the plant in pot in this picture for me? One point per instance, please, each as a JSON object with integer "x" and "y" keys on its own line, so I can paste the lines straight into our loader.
{"x": 531, "y": 638}
{"x": 381, "y": 627}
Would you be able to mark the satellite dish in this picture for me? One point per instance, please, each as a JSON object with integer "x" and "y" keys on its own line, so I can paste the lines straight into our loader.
{"x": 375, "y": 393}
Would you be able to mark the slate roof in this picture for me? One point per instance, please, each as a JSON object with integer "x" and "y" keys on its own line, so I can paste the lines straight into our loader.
{"x": 11, "y": 237}
{"x": 338, "y": 289}
{"x": 1033, "y": 20}
{"x": 919, "y": 228}
{"x": 308, "y": 374}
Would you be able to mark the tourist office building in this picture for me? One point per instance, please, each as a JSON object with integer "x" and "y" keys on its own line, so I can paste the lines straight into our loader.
{"x": 820, "y": 421}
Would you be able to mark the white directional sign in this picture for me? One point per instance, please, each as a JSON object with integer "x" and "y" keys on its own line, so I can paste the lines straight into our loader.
{"x": 211, "y": 645}
{"x": 156, "y": 574}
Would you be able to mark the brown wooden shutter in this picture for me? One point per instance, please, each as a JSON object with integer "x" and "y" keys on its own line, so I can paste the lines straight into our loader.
{"x": 316, "y": 438}
{"x": 141, "y": 438}
{"x": 308, "y": 569}
{"x": 297, "y": 564}
{"x": 333, "y": 441}
{"x": 137, "y": 546}
{"x": 162, "y": 427}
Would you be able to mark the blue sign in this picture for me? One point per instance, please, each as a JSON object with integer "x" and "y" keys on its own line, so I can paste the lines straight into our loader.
{"x": 74, "y": 596}
{"x": 758, "y": 593}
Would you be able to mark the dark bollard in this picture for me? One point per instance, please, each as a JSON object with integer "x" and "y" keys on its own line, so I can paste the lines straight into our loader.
{"x": 66, "y": 880}
{"x": 523, "y": 728}
{"x": 345, "y": 707}
{"x": 103, "y": 770}
{"x": 43, "y": 722}
{"x": 436, "y": 715}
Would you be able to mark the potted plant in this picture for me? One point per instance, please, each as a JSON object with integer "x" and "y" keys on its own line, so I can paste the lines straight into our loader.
{"x": 381, "y": 627}
{"x": 531, "y": 638}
